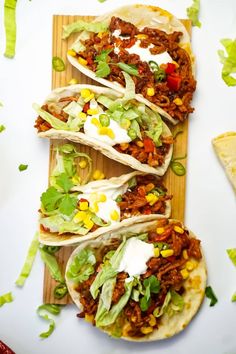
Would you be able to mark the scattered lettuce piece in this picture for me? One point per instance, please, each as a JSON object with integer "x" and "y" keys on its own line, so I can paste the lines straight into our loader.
{"x": 105, "y": 273}
{"x": 58, "y": 64}
{"x": 229, "y": 62}
{"x": 84, "y": 26}
{"x": 82, "y": 266}
{"x": 26, "y": 269}
{"x": 10, "y": 27}
{"x": 51, "y": 262}
{"x": 233, "y": 298}
{"x": 232, "y": 255}
{"x": 5, "y": 298}
{"x": 154, "y": 125}
{"x": 22, "y": 167}
{"x": 129, "y": 87}
{"x": 193, "y": 13}
{"x": 211, "y": 295}
{"x": 2, "y": 128}
{"x": 177, "y": 301}
{"x": 129, "y": 68}
{"x": 158, "y": 312}
{"x": 54, "y": 310}
{"x": 51, "y": 249}
{"x": 53, "y": 121}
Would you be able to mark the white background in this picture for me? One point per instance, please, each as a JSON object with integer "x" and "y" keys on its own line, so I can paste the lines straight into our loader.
{"x": 210, "y": 207}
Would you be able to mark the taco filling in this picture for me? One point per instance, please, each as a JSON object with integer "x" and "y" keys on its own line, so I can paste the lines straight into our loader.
{"x": 100, "y": 204}
{"x": 160, "y": 68}
{"x": 128, "y": 126}
{"x": 128, "y": 285}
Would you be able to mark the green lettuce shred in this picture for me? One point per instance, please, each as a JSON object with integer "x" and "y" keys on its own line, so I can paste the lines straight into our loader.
{"x": 193, "y": 13}
{"x": 79, "y": 26}
{"x": 53, "y": 267}
{"x": 53, "y": 121}
{"x": 5, "y": 298}
{"x": 233, "y": 298}
{"x": 232, "y": 255}
{"x": 26, "y": 269}
{"x": 229, "y": 61}
{"x": 54, "y": 310}
{"x": 82, "y": 266}
{"x": 158, "y": 312}
{"x": 2, "y": 128}
{"x": 10, "y": 27}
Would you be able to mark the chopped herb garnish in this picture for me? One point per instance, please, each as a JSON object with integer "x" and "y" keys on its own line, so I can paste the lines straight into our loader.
{"x": 60, "y": 291}
{"x": 2, "y": 128}
{"x": 103, "y": 69}
{"x": 58, "y": 64}
{"x": 10, "y": 27}
{"x": 130, "y": 69}
{"x": 211, "y": 295}
{"x": 22, "y": 167}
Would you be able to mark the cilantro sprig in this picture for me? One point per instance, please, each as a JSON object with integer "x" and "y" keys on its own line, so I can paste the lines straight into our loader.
{"x": 152, "y": 285}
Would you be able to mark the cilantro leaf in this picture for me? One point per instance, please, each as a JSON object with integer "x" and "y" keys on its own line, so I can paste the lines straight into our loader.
{"x": 152, "y": 285}
{"x": 211, "y": 295}
{"x": 51, "y": 199}
{"x": 103, "y": 55}
{"x": 64, "y": 182}
{"x": 67, "y": 204}
{"x": 144, "y": 303}
{"x": 103, "y": 69}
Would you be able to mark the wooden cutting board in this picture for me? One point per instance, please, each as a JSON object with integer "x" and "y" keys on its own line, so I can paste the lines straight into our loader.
{"x": 176, "y": 185}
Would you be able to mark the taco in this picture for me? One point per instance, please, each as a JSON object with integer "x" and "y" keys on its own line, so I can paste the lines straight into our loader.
{"x": 141, "y": 283}
{"x": 119, "y": 126}
{"x": 101, "y": 206}
{"x": 148, "y": 43}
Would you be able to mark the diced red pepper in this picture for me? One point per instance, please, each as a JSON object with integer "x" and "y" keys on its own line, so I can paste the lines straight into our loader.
{"x": 173, "y": 82}
{"x": 170, "y": 68}
{"x": 89, "y": 60}
{"x": 149, "y": 145}
{"x": 86, "y": 107}
{"x": 147, "y": 211}
{"x": 83, "y": 200}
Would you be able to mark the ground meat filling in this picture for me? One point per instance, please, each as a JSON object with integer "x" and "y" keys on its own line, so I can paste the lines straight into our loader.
{"x": 168, "y": 270}
{"x": 180, "y": 84}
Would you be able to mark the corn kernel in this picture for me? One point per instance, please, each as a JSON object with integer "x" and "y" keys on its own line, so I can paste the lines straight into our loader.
{"x": 83, "y": 164}
{"x": 167, "y": 253}
{"x": 184, "y": 273}
{"x": 89, "y": 318}
{"x": 89, "y": 98}
{"x": 106, "y": 131}
{"x": 114, "y": 215}
{"x": 151, "y": 198}
{"x": 190, "y": 266}
{"x": 102, "y": 198}
{"x": 80, "y": 216}
{"x": 124, "y": 146}
{"x": 141, "y": 36}
{"x": 146, "y": 330}
{"x": 156, "y": 252}
{"x": 85, "y": 93}
{"x": 152, "y": 320}
{"x": 150, "y": 91}
{"x": 94, "y": 208}
{"x": 83, "y": 206}
{"x": 71, "y": 52}
{"x": 185, "y": 254}
{"x": 178, "y": 229}
{"x": 176, "y": 64}
{"x": 139, "y": 143}
{"x": 178, "y": 101}
{"x": 97, "y": 174}
{"x": 100, "y": 35}
{"x": 160, "y": 230}
{"x": 92, "y": 112}
{"x": 125, "y": 123}
{"x": 88, "y": 223}
{"x": 102, "y": 176}
{"x": 73, "y": 82}
{"x": 76, "y": 180}
{"x": 82, "y": 61}
{"x": 82, "y": 115}
{"x": 96, "y": 122}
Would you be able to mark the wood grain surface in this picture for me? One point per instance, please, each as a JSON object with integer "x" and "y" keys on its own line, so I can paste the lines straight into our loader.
{"x": 176, "y": 185}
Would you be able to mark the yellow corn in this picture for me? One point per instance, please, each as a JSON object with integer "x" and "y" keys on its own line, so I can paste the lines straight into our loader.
{"x": 100, "y": 35}
{"x": 82, "y": 61}
{"x": 178, "y": 229}
{"x": 89, "y": 318}
{"x": 102, "y": 198}
{"x": 71, "y": 52}
{"x": 185, "y": 254}
{"x": 125, "y": 123}
{"x": 156, "y": 252}
{"x": 94, "y": 208}
{"x": 184, "y": 273}
{"x": 152, "y": 320}
{"x": 141, "y": 36}
{"x": 106, "y": 131}
{"x": 85, "y": 93}
{"x": 176, "y": 64}
{"x": 88, "y": 223}
{"x": 96, "y": 122}
{"x": 83, "y": 164}
{"x": 139, "y": 143}
{"x": 151, "y": 198}
{"x": 190, "y": 266}
{"x": 114, "y": 215}
{"x": 83, "y": 206}
{"x": 97, "y": 174}
{"x": 146, "y": 330}
{"x": 178, "y": 101}
{"x": 160, "y": 230}
{"x": 80, "y": 216}
{"x": 167, "y": 253}
{"x": 150, "y": 91}
{"x": 92, "y": 112}
{"x": 73, "y": 82}
{"x": 82, "y": 115}
{"x": 76, "y": 179}
{"x": 89, "y": 98}
{"x": 124, "y": 146}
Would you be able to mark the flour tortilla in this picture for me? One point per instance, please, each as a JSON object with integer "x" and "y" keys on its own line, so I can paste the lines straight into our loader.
{"x": 54, "y": 239}
{"x": 104, "y": 148}
{"x": 225, "y": 148}
{"x": 141, "y": 16}
{"x": 193, "y": 296}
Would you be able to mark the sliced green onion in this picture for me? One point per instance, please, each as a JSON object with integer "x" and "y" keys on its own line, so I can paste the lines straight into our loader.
{"x": 10, "y": 27}
{"x": 119, "y": 199}
{"x": 58, "y": 64}
{"x": 104, "y": 120}
{"x": 159, "y": 75}
{"x": 22, "y": 167}
{"x": 53, "y": 267}
{"x": 153, "y": 65}
{"x": 32, "y": 251}
{"x": 132, "y": 134}
{"x": 211, "y": 295}
{"x": 178, "y": 168}
{"x": 5, "y": 298}
{"x": 54, "y": 310}
{"x": 2, "y": 128}
{"x": 51, "y": 249}
{"x": 130, "y": 69}
{"x": 60, "y": 291}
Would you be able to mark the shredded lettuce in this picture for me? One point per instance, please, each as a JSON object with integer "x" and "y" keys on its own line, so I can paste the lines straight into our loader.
{"x": 193, "y": 13}
{"x": 233, "y": 298}
{"x": 54, "y": 310}
{"x": 107, "y": 291}
{"x": 158, "y": 312}
{"x": 2, "y": 128}
{"x": 53, "y": 267}
{"x": 82, "y": 266}
{"x": 232, "y": 255}
{"x": 32, "y": 251}
{"x": 177, "y": 301}
{"x": 22, "y": 167}
{"x": 79, "y": 26}
{"x": 229, "y": 61}
{"x": 53, "y": 121}
{"x": 129, "y": 87}
{"x": 154, "y": 125}
{"x": 10, "y": 27}
{"x": 5, "y": 298}
{"x": 105, "y": 273}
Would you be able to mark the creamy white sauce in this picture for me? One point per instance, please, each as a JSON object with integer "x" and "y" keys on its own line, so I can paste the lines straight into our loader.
{"x": 116, "y": 33}
{"x": 135, "y": 257}
{"x": 145, "y": 55}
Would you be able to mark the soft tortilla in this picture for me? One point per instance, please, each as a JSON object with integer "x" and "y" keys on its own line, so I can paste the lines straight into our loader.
{"x": 193, "y": 297}
{"x": 104, "y": 148}
{"x": 141, "y": 16}
{"x": 225, "y": 148}
{"x": 54, "y": 239}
